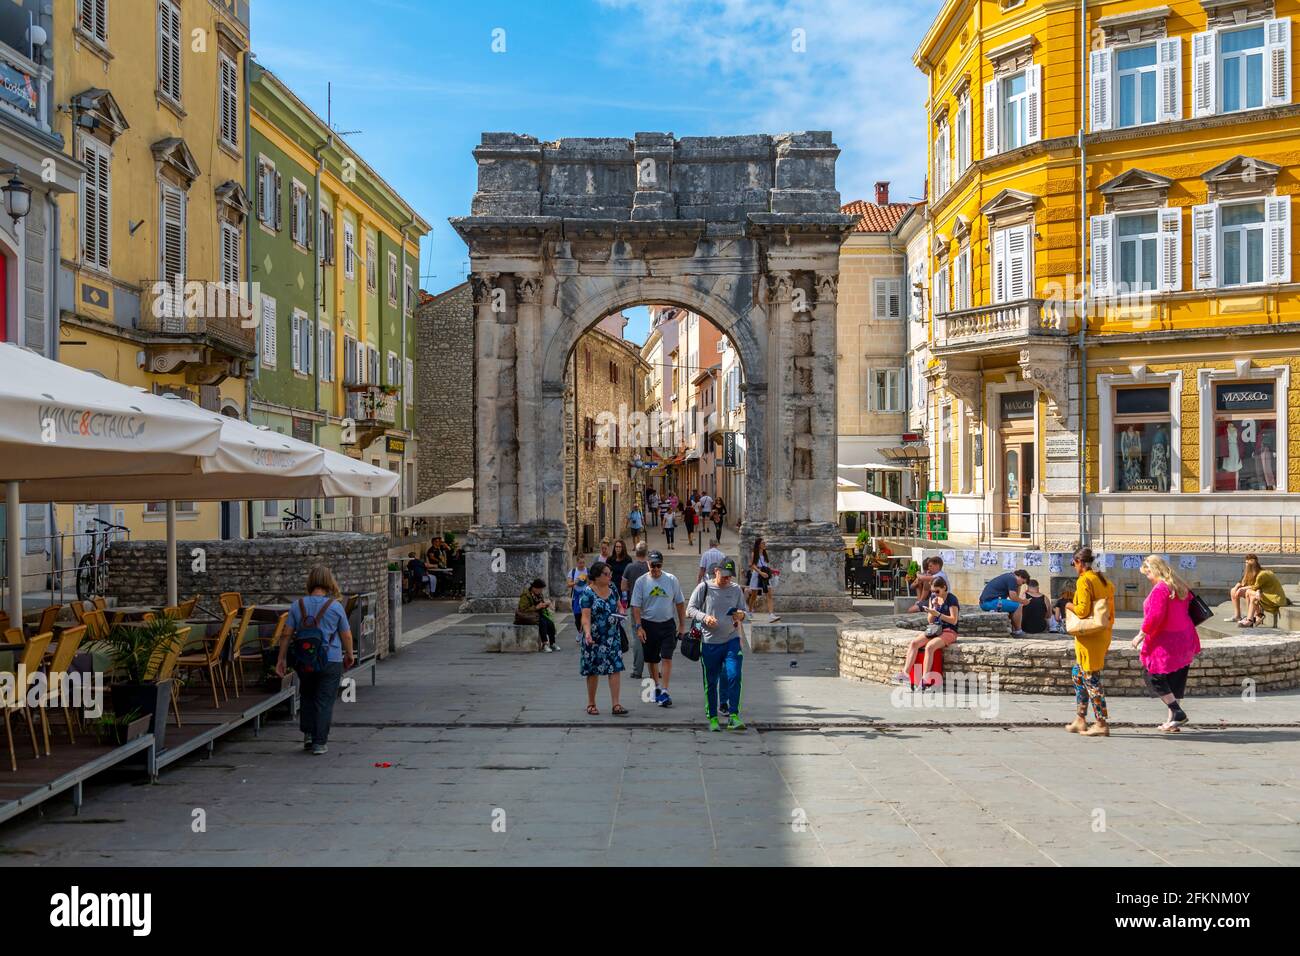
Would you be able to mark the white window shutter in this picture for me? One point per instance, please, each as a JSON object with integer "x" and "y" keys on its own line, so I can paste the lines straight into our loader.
{"x": 1205, "y": 49}
{"x": 1205, "y": 246}
{"x": 970, "y": 283}
{"x": 895, "y": 288}
{"x": 882, "y": 299}
{"x": 1277, "y": 60}
{"x": 1277, "y": 219}
{"x": 297, "y": 344}
{"x": 1169, "y": 79}
{"x": 1034, "y": 103}
{"x": 1019, "y": 276}
{"x": 940, "y": 291}
{"x": 1170, "y": 261}
{"x": 321, "y": 342}
{"x": 408, "y": 382}
{"x": 269, "y": 332}
{"x": 1101, "y": 65}
{"x": 991, "y": 118}
{"x": 1000, "y": 266}
{"x": 1101, "y": 230}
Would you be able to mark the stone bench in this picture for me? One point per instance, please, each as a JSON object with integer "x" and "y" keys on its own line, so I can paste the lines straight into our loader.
{"x": 776, "y": 638}
{"x": 510, "y": 638}
{"x": 1041, "y": 664}
{"x": 969, "y": 623}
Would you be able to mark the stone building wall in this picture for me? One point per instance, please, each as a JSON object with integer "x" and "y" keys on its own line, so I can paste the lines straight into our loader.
{"x": 1042, "y": 666}
{"x": 444, "y": 389}
{"x": 600, "y": 466}
{"x": 269, "y": 569}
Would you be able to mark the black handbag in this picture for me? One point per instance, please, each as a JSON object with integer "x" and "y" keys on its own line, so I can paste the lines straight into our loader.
{"x": 690, "y": 645}
{"x": 1198, "y": 610}
{"x": 622, "y": 639}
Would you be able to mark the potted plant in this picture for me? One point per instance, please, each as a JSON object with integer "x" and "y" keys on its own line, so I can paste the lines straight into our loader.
{"x": 913, "y": 569}
{"x": 132, "y": 649}
{"x": 118, "y": 729}
{"x": 862, "y": 541}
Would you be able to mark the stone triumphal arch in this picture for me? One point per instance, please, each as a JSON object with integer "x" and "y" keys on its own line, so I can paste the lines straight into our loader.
{"x": 743, "y": 230}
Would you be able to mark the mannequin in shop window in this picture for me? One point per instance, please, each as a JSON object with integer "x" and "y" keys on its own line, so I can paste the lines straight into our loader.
{"x": 1160, "y": 460}
{"x": 1232, "y": 460}
{"x": 1130, "y": 450}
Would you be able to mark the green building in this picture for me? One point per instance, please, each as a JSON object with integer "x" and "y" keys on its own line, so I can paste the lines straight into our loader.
{"x": 335, "y": 265}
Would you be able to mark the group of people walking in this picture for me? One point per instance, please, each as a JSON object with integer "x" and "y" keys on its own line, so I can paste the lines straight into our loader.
{"x": 625, "y": 603}
{"x": 692, "y": 513}
{"x": 1167, "y": 642}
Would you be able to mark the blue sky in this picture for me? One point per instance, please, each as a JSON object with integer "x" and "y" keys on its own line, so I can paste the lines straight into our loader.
{"x": 420, "y": 80}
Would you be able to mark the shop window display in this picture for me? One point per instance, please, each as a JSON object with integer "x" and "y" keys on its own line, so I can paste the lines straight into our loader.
{"x": 1245, "y": 437}
{"x": 1143, "y": 450}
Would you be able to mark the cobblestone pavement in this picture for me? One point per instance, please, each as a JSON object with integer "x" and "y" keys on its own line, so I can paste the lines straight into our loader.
{"x": 493, "y": 761}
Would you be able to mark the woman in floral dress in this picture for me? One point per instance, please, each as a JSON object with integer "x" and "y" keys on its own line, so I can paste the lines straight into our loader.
{"x": 602, "y": 649}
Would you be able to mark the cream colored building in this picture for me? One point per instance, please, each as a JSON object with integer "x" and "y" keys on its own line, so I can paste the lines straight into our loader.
{"x": 871, "y": 343}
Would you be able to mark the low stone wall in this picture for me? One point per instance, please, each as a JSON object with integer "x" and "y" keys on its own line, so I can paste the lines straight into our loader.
{"x": 269, "y": 569}
{"x": 1042, "y": 666}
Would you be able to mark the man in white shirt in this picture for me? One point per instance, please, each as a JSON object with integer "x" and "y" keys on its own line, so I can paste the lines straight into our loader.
{"x": 705, "y": 506}
{"x": 710, "y": 559}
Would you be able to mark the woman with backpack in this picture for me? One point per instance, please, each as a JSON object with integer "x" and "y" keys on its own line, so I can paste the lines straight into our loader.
{"x": 1167, "y": 642}
{"x": 322, "y": 642}
{"x": 1090, "y": 620}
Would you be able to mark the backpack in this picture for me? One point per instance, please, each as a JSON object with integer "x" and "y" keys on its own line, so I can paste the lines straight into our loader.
{"x": 309, "y": 649}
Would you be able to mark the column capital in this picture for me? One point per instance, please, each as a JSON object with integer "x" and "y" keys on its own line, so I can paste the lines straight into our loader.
{"x": 827, "y": 287}
{"x": 1049, "y": 370}
{"x": 528, "y": 288}
{"x": 482, "y": 284}
{"x": 780, "y": 286}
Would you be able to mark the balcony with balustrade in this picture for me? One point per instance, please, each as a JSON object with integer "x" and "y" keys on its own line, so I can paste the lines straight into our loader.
{"x": 372, "y": 410}
{"x": 205, "y": 329}
{"x": 1004, "y": 326}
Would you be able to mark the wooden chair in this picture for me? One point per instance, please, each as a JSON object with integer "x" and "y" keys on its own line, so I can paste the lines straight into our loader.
{"x": 48, "y": 616}
{"x": 96, "y": 625}
{"x": 100, "y": 604}
{"x": 163, "y": 667}
{"x": 235, "y": 660}
{"x": 173, "y": 613}
{"x": 29, "y": 665}
{"x": 69, "y": 641}
{"x": 209, "y": 659}
{"x": 231, "y": 601}
{"x": 187, "y": 608}
{"x": 14, "y": 635}
{"x": 78, "y": 612}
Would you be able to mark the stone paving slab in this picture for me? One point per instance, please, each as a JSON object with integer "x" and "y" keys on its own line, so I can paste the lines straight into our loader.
{"x": 492, "y": 762}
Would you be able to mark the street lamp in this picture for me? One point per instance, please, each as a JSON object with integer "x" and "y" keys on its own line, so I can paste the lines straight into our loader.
{"x": 17, "y": 197}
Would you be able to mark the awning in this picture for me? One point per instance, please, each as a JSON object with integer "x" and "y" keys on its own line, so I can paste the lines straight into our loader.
{"x": 843, "y": 484}
{"x": 873, "y": 467}
{"x": 910, "y": 453}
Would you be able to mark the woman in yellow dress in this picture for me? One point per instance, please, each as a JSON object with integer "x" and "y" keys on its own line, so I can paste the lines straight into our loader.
{"x": 1090, "y": 647}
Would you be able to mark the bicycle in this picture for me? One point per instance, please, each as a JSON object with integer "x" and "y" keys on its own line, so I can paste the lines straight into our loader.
{"x": 292, "y": 520}
{"x": 92, "y": 569}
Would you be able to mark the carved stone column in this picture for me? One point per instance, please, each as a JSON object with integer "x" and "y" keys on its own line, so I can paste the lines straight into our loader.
{"x": 528, "y": 297}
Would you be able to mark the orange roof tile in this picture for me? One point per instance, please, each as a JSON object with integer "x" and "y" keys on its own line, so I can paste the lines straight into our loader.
{"x": 875, "y": 218}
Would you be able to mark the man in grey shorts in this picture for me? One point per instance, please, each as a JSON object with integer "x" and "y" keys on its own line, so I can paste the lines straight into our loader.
{"x": 659, "y": 613}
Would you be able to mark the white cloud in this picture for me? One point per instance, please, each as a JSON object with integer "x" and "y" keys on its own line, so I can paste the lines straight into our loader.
{"x": 855, "y": 76}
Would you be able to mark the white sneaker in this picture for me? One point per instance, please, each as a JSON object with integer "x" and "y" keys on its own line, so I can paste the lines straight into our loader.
{"x": 772, "y": 618}
{"x": 1017, "y": 633}
{"x": 547, "y": 649}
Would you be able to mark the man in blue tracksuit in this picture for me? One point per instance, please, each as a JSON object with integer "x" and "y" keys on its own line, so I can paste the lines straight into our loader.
{"x": 717, "y": 606}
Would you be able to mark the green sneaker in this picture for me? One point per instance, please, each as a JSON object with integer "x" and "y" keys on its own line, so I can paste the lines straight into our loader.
{"x": 713, "y": 724}
{"x": 735, "y": 723}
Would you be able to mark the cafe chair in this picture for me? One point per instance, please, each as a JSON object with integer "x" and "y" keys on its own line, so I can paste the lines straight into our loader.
{"x": 15, "y": 635}
{"x": 187, "y": 608}
{"x": 29, "y": 665}
{"x": 231, "y": 601}
{"x": 78, "y": 612}
{"x": 48, "y": 616}
{"x": 236, "y": 660}
{"x": 69, "y": 641}
{"x": 173, "y": 613}
{"x": 209, "y": 658}
{"x": 163, "y": 667}
{"x": 96, "y": 625}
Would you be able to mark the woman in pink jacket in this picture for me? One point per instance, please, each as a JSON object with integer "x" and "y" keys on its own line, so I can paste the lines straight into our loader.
{"x": 1168, "y": 641}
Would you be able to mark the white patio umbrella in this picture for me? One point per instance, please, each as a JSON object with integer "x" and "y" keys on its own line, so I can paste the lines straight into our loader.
{"x": 866, "y": 501}
{"x": 458, "y": 499}
{"x": 250, "y": 461}
{"x": 843, "y": 484}
{"x": 57, "y": 422}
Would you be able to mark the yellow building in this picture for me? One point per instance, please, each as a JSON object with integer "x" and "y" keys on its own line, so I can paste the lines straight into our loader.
{"x": 1133, "y": 164}
{"x": 152, "y": 101}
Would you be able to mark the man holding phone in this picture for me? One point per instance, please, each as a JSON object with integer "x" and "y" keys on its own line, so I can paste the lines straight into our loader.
{"x": 717, "y": 606}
